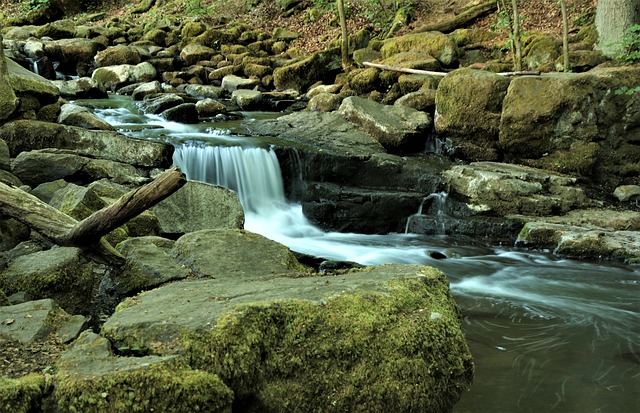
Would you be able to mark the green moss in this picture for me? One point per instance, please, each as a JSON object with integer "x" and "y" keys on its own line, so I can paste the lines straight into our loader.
{"x": 161, "y": 388}
{"x": 22, "y": 395}
{"x": 364, "y": 80}
{"x": 400, "y": 350}
{"x": 435, "y": 44}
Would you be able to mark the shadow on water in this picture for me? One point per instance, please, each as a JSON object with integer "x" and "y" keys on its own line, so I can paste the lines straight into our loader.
{"x": 547, "y": 335}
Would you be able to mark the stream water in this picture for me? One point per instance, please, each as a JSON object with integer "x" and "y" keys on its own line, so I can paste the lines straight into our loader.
{"x": 547, "y": 334}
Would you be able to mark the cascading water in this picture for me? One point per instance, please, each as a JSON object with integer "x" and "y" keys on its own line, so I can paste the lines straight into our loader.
{"x": 438, "y": 200}
{"x": 547, "y": 334}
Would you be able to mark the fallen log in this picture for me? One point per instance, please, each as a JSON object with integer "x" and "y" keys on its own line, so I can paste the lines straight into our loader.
{"x": 461, "y": 20}
{"x": 88, "y": 233}
{"x": 429, "y": 72}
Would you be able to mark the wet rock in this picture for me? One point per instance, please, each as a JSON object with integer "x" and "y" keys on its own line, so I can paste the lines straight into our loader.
{"x": 158, "y": 104}
{"x": 83, "y": 88}
{"x": 468, "y": 110}
{"x": 24, "y": 135}
{"x": 114, "y": 77}
{"x": 247, "y": 99}
{"x": 508, "y": 189}
{"x": 183, "y": 113}
{"x": 397, "y": 128}
{"x": 91, "y": 377}
{"x": 343, "y": 209}
{"x": 190, "y": 209}
{"x": 76, "y": 55}
{"x": 333, "y": 348}
{"x": 209, "y": 107}
{"x": 204, "y": 91}
{"x": 74, "y": 115}
{"x": 149, "y": 88}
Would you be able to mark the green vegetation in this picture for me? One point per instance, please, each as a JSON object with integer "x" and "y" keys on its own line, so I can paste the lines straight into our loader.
{"x": 629, "y": 47}
{"x": 382, "y": 12}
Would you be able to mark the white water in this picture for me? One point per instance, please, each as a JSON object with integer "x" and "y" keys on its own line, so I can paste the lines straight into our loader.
{"x": 548, "y": 335}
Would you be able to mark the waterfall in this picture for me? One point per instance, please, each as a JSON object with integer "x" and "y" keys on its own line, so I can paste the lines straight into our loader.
{"x": 254, "y": 173}
{"x": 438, "y": 202}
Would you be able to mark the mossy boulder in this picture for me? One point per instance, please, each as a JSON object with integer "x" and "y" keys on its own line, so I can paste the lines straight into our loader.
{"x": 560, "y": 115}
{"x": 300, "y": 75}
{"x": 193, "y": 53}
{"x": 8, "y": 101}
{"x": 436, "y": 44}
{"x": 362, "y": 81}
{"x": 324, "y": 102}
{"x": 192, "y": 29}
{"x": 91, "y": 378}
{"x": 413, "y": 60}
{"x": 540, "y": 52}
{"x": 76, "y": 55}
{"x": 468, "y": 110}
{"x": 24, "y": 394}
{"x": 59, "y": 273}
{"x": 118, "y": 55}
{"x": 384, "y": 338}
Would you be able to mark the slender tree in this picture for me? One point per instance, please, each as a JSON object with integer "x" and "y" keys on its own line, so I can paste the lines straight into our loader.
{"x": 344, "y": 45}
{"x": 517, "y": 58}
{"x": 565, "y": 36}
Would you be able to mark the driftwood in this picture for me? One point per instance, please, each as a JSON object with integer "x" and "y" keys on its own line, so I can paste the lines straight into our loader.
{"x": 429, "y": 72}
{"x": 461, "y": 20}
{"x": 87, "y": 234}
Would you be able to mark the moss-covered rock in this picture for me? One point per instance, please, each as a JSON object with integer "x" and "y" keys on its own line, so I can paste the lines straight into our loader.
{"x": 468, "y": 109}
{"x": 91, "y": 378}
{"x": 300, "y": 75}
{"x": 22, "y": 395}
{"x": 8, "y": 101}
{"x": 413, "y": 59}
{"x": 540, "y": 52}
{"x": 362, "y": 81}
{"x": 381, "y": 339}
{"x": 435, "y": 44}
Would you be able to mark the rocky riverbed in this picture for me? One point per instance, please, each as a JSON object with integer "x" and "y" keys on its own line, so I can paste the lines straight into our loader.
{"x": 202, "y": 307}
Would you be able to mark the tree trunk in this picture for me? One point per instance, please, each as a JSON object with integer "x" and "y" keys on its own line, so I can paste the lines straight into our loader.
{"x": 565, "y": 36}
{"x": 613, "y": 18}
{"x": 65, "y": 230}
{"x": 517, "y": 58}
{"x": 344, "y": 46}
{"x": 460, "y": 20}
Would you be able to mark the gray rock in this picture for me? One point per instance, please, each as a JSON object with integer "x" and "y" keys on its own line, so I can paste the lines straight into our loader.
{"x": 77, "y": 201}
{"x": 397, "y": 128}
{"x": 209, "y": 107}
{"x": 246, "y": 99}
{"x": 198, "y": 206}
{"x": 627, "y": 192}
{"x": 324, "y": 102}
{"x": 83, "y": 88}
{"x": 73, "y": 54}
{"x": 283, "y": 331}
{"x": 113, "y": 77}
{"x": 204, "y": 91}
{"x": 24, "y": 135}
{"x": 159, "y": 104}
{"x": 148, "y": 265}
{"x": 510, "y": 189}
{"x": 74, "y": 115}
{"x": 36, "y": 320}
{"x": 145, "y": 89}
{"x": 12, "y": 233}
{"x": 45, "y": 191}
{"x": 231, "y": 83}
{"x": 211, "y": 253}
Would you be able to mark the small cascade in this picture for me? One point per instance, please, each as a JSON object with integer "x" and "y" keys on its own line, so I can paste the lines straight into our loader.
{"x": 254, "y": 173}
{"x": 34, "y": 66}
{"x": 438, "y": 202}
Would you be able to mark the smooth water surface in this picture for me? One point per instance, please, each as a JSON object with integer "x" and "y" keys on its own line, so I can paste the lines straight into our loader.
{"x": 547, "y": 335}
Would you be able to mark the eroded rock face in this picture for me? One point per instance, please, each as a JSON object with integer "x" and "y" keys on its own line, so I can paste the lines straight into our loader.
{"x": 282, "y": 342}
{"x": 512, "y": 189}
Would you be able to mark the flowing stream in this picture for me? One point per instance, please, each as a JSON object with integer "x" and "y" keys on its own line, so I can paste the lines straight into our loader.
{"x": 547, "y": 334}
